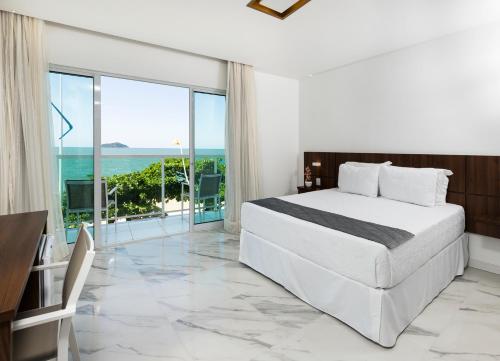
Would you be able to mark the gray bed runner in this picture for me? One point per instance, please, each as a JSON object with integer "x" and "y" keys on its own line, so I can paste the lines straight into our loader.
{"x": 388, "y": 236}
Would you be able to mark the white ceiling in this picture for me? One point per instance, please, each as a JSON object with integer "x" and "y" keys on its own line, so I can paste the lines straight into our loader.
{"x": 322, "y": 35}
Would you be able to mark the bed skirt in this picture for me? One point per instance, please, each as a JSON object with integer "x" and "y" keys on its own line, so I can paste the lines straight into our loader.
{"x": 378, "y": 314}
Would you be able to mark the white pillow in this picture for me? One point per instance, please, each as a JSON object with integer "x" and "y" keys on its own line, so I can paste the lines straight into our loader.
{"x": 359, "y": 180}
{"x": 422, "y": 186}
{"x": 442, "y": 186}
{"x": 361, "y": 164}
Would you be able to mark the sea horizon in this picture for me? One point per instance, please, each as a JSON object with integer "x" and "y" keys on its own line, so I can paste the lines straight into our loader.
{"x": 79, "y": 165}
{"x": 141, "y": 151}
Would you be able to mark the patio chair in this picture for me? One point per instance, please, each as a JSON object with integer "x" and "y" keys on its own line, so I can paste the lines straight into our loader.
{"x": 208, "y": 188}
{"x": 80, "y": 198}
{"x": 46, "y": 333}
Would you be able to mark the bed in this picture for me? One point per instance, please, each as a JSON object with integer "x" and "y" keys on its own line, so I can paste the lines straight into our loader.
{"x": 376, "y": 290}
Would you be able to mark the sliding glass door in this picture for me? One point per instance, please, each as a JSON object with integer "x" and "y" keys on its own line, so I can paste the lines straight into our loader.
{"x": 150, "y": 153}
{"x": 209, "y": 171}
{"x": 144, "y": 158}
{"x": 72, "y": 105}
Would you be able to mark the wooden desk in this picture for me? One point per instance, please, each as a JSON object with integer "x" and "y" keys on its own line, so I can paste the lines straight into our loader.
{"x": 20, "y": 236}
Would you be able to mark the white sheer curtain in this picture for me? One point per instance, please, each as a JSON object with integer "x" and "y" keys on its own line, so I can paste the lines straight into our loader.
{"x": 27, "y": 164}
{"x": 242, "y": 173}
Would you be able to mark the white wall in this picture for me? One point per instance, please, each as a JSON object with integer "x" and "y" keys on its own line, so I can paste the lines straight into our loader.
{"x": 89, "y": 50}
{"x": 277, "y": 130}
{"x": 440, "y": 97}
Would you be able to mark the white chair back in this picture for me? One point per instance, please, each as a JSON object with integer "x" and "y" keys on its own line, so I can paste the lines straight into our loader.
{"x": 78, "y": 268}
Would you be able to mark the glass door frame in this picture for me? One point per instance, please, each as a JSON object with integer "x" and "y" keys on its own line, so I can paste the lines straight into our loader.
{"x": 192, "y": 160}
{"x": 96, "y": 129}
{"x": 96, "y": 75}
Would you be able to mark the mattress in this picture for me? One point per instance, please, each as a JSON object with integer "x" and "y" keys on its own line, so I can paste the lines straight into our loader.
{"x": 367, "y": 262}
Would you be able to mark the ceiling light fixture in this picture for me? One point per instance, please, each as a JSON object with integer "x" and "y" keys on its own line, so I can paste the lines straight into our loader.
{"x": 256, "y": 5}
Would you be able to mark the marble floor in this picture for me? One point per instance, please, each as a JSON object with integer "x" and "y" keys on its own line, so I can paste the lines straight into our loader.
{"x": 186, "y": 297}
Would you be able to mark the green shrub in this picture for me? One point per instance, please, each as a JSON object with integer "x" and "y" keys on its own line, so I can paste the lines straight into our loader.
{"x": 139, "y": 192}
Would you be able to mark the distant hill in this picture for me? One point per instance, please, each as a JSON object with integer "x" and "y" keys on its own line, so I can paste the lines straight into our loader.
{"x": 114, "y": 145}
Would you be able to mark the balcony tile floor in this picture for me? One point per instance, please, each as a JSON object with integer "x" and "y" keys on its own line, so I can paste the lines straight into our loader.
{"x": 186, "y": 297}
{"x": 136, "y": 230}
{"x": 142, "y": 229}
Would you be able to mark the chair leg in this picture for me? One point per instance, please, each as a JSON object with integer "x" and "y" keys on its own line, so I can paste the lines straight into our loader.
{"x": 73, "y": 344}
{"x": 219, "y": 205}
{"x": 63, "y": 344}
{"x": 203, "y": 211}
{"x": 200, "y": 211}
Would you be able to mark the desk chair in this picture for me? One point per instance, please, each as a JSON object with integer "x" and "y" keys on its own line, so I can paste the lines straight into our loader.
{"x": 46, "y": 333}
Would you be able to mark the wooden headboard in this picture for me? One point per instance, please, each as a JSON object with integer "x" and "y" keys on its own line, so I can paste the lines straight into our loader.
{"x": 475, "y": 183}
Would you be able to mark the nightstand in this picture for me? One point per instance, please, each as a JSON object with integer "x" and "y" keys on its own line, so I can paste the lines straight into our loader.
{"x": 304, "y": 189}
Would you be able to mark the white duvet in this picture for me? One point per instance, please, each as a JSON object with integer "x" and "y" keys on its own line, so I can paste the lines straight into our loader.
{"x": 359, "y": 259}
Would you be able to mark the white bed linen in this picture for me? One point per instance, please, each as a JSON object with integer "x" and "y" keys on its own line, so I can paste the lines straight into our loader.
{"x": 379, "y": 314}
{"x": 359, "y": 259}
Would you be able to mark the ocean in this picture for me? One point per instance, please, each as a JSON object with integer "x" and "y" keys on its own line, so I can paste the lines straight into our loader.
{"x": 77, "y": 162}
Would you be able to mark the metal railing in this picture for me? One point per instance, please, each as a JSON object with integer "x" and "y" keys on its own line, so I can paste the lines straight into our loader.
{"x": 160, "y": 157}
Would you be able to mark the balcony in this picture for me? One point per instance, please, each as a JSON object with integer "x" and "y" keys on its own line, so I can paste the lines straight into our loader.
{"x": 152, "y": 198}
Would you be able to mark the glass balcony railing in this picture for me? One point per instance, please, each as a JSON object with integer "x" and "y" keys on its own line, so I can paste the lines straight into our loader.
{"x": 136, "y": 186}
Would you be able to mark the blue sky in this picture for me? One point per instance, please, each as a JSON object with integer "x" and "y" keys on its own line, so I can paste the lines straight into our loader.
{"x": 138, "y": 114}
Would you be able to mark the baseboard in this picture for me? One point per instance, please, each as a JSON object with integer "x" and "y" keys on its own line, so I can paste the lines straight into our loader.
{"x": 485, "y": 266}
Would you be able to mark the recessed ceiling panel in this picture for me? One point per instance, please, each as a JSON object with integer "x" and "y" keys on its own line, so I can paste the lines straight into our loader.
{"x": 280, "y": 14}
